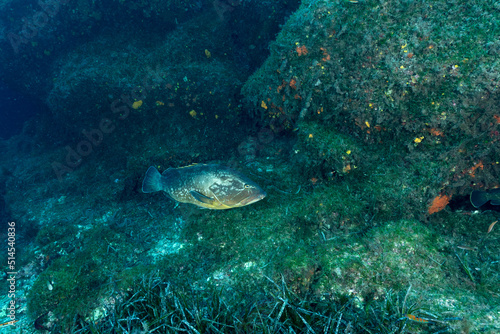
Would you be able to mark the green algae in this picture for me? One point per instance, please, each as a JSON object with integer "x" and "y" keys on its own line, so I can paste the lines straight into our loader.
{"x": 325, "y": 240}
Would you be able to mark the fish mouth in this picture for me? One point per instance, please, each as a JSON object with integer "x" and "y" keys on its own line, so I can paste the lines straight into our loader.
{"x": 253, "y": 199}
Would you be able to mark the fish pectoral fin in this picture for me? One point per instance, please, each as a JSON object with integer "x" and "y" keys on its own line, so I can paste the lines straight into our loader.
{"x": 202, "y": 198}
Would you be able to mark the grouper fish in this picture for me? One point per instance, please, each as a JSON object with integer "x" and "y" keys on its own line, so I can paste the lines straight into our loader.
{"x": 480, "y": 198}
{"x": 206, "y": 185}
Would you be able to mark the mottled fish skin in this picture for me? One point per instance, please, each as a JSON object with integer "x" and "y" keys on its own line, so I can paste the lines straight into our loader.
{"x": 206, "y": 185}
{"x": 479, "y": 198}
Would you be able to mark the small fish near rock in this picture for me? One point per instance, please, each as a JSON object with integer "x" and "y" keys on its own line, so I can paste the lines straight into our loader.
{"x": 480, "y": 198}
{"x": 209, "y": 186}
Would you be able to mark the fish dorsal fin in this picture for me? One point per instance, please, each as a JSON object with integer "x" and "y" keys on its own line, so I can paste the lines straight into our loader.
{"x": 191, "y": 165}
{"x": 202, "y": 198}
{"x": 171, "y": 170}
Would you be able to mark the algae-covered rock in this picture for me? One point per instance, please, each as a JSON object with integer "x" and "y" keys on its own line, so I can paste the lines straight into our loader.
{"x": 405, "y": 78}
{"x": 175, "y": 77}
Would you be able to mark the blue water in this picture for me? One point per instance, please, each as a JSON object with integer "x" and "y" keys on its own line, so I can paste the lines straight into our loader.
{"x": 15, "y": 109}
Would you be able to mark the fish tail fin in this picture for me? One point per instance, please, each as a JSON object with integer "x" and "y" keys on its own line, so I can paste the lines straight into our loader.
{"x": 479, "y": 198}
{"x": 152, "y": 181}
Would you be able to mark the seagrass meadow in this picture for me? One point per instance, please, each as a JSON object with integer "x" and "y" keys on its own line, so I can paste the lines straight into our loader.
{"x": 367, "y": 123}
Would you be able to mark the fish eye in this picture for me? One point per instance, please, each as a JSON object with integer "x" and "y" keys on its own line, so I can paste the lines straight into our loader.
{"x": 247, "y": 186}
